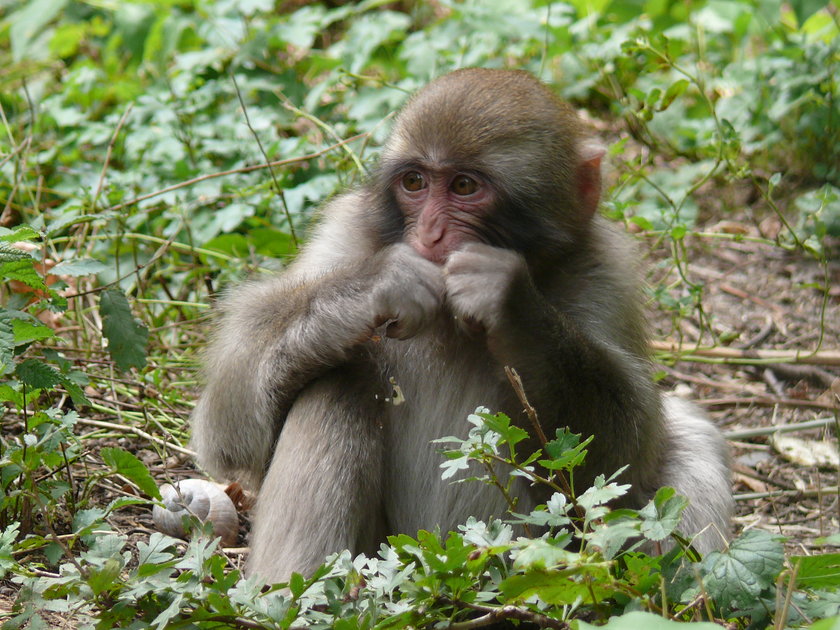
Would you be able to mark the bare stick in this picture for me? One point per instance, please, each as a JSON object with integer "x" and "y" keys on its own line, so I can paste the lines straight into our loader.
{"x": 138, "y": 433}
{"x": 244, "y": 169}
{"x": 516, "y": 382}
{"x": 735, "y": 355}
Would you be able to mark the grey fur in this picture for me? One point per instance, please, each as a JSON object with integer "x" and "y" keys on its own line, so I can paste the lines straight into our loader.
{"x": 299, "y": 378}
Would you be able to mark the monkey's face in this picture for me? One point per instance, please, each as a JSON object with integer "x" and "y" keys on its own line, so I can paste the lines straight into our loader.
{"x": 443, "y": 208}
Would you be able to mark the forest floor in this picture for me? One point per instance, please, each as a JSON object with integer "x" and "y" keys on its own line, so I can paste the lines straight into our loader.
{"x": 759, "y": 300}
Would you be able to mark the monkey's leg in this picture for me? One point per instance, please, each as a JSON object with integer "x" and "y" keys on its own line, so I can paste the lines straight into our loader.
{"x": 323, "y": 489}
{"x": 696, "y": 465}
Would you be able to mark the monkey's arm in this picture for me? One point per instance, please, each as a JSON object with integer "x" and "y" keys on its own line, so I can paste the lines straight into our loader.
{"x": 572, "y": 374}
{"x": 277, "y": 335}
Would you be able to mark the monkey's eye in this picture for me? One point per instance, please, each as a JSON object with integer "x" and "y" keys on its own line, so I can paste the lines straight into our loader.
{"x": 413, "y": 181}
{"x": 464, "y": 185}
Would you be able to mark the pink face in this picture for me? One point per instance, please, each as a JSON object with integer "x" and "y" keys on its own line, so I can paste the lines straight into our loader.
{"x": 443, "y": 209}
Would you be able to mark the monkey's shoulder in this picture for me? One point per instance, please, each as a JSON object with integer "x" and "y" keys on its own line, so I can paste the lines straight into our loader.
{"x": 342, "y": 233}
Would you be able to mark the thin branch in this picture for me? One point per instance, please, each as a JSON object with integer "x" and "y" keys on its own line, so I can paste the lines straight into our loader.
{"x": 108, "y": 153}
{"x": 277, "y": 188}
{"x": 519, "y": 388}
{"x": 812, "y": 492}
{"x": 740, "y": 434}
{"x": 244, "y": 169}
{"x": 766, "y": 401}
{"x": 138, "y": 433}
{"x": 752, "y": 357}
{"x": 493, "y": 615}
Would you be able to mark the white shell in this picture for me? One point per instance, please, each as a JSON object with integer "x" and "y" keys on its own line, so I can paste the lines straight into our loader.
{"x": 205, "y": 500}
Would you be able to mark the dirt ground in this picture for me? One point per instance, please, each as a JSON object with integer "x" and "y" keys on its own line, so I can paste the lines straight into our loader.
{"x": 762, "y": 300}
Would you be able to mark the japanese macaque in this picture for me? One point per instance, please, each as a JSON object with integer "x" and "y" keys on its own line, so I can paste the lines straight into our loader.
{"x": 476, "y": 245}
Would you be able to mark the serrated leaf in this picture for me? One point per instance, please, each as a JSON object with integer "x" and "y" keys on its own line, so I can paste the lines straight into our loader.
{"x": 20, "y": 233}
{"x": 566, "y": 451}
{"x": 127, "y": 337}
{"x": 10, "y": 253}
{"x": 735, "y": 578}
{"x": 127, "y": 464}
{"x": 7, "y": 344}
{"x": 37, "y": 374}
{"x": 565, "y": 440}
{"x": 22, "y": 271}
{"x": 501, "y": 424}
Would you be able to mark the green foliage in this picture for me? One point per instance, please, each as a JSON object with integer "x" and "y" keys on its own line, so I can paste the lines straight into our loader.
{"x": 133, "y": 183}
{"x": 480, "y": 571}
{"x": 126, "y": 336}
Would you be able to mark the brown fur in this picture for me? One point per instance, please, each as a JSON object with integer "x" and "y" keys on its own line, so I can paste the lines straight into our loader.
{"x": 297, "y": 386}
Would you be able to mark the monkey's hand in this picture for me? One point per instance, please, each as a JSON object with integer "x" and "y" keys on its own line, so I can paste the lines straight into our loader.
{"x": 409, "y": 293}
{"x": 480, "y": 280}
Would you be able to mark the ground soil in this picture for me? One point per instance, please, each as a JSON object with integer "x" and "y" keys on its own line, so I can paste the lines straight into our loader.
{"x": 757, "y": 298}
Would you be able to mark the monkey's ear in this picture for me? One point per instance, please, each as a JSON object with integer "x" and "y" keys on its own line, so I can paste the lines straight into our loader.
{"x": 589, "y": 177}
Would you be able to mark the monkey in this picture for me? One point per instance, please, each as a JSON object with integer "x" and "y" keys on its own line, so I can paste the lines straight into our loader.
{"x": 475, "y": 244}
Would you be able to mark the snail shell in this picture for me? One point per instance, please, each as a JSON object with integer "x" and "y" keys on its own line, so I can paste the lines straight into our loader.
{"x": 203, "y": 499}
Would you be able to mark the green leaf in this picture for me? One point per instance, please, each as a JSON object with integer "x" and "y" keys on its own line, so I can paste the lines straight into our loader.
{"x": 7, "y": 548}
{"x": 22, "y": 270}
{"x": 827, "y": 624}
{"x": 501, "y": 424}
{"x": 7, "y": 343}
{"x": 78, "y": 267}
{"x": 806, "y": 8}
{"x": 662, "y": 514}
{"x": 124, "y": 463}
{"x": 29, "y": 22}
{"x": 544, "y": 553}
{"x": 566, "y": 451}
{"x": 819, "y": 571}
{"x": 104, "y": 578}
{"x": 833, "y": 539}
{"x": 565, "y": 440}
{"x": 676, "y": 89}
{"x": 37, "y": 374}
{"x": 737, "y": 577}
{"x": 20, "y": 233}
{"x": 127, "y": 337}
{"x": 587, "y": 582}
{"x": 297, "y": 584}
{"x": 10, "y": 253}
{"x": 28, "y": 330}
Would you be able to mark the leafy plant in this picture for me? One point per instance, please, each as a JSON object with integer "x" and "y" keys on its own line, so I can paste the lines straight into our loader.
{"x": 587, "y": 563}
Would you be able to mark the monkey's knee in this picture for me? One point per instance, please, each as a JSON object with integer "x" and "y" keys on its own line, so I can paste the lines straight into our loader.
{"x": 322, "y": 491}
